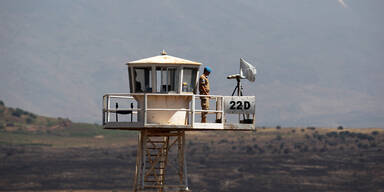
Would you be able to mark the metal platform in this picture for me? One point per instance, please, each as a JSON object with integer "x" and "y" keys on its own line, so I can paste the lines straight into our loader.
{"x": 136, "y": 115}
{"x": 195, "y": 127}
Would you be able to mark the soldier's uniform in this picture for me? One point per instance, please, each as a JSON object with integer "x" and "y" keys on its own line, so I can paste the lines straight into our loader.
{"x": 204, "y": 90}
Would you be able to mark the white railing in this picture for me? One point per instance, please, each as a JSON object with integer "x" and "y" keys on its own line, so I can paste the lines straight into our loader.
{"x": 134, "y": 109}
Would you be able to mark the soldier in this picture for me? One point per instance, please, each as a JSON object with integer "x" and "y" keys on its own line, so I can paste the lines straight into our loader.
{"x": 204, "y": 90}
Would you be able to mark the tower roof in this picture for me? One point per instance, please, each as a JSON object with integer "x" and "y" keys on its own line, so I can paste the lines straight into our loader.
{"x": 164, "y": 59}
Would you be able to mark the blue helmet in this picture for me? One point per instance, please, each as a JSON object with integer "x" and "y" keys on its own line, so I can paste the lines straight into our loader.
{"x": 207, "y": 69}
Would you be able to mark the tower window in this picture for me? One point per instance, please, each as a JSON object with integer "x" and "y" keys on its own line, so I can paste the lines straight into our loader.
{"x": 167, "y": 78}
{"x": 143, "y": 80}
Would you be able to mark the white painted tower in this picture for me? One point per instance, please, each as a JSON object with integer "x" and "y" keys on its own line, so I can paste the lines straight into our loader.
{"x": 162, "y": 105}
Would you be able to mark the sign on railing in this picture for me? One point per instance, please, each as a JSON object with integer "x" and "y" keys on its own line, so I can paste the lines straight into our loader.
{"x": 239, "y": 104}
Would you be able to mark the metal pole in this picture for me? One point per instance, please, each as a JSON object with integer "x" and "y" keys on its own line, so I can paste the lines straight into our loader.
{"x": 131, "y": 112}
{"x": 138, "y": 161}
{"x": 193, "y": 111}
{"x": 238, "y": 90}
{"x": 143, "y": 144}
{"x": 108, "y": 105}
{"x": 116, "y": 114}
{"x": 185, "y": 161}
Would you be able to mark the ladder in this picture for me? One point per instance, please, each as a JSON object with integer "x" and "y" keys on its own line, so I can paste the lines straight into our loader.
{"x": 152, "y": 161}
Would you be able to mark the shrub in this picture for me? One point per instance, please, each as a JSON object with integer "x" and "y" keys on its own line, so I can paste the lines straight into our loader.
{"x": 278, "y": 127}
{"x": 278, "y": 137}
{"x": 311, "y": 128}
{"x": 361, "y": 145}
{"x": 324, "y": 149}
{"x": 1, "y": 103}
{"x": 302, "y": 130}
{"x": 304, "y": 149}
{"x": 18, "y": 112}
{"x": 29, "y": 120}
{"x": 340, "y": 128}
{"x": 375, "y": 133}
{"x": 293, "y": 131}
{"x": 332, "y": 134}
{"x": 297, "y": 145}
{"x": 365, "y": 136}
{"x": 33, "y": 116}
{"x": 206, "y": 148}
{"x": 344, "y": 133}
{"x": 249, "y": 150}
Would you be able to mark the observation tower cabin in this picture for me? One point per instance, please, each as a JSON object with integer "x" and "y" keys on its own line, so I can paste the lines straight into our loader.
{"x": 163, "y": 95}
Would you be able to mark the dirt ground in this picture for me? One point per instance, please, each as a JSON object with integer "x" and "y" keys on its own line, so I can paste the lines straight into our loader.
{"x": 224, "y": 162}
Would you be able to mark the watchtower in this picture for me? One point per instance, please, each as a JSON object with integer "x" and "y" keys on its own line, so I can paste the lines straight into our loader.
{"x": 162, "y": 105}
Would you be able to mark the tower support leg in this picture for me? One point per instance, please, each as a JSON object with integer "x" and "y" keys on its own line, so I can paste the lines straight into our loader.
{"x": 161, "y": 162}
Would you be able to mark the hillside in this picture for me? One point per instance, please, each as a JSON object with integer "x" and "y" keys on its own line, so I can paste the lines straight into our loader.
{"x": 20, "y": 127}
{"x": 16, "y": 119}
{"x": 62, "y": 155}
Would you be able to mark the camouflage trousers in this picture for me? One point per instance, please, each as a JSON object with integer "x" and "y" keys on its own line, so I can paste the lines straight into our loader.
{"x": 204, "y": 106}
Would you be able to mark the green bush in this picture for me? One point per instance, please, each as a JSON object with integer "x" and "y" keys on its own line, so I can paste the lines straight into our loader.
{"x": 375, "y": 133}
{"x": 29, "y": 120}
{"x": 1, "y": 103}
{"x": 332, "y": 134}
{"x": 311, "y": 128}
{"x": 18, "y": 112}
{"x": 249, "y": 150}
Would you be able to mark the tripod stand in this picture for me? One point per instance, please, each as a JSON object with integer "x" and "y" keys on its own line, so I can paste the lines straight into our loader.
{"x": 239, "y": 89}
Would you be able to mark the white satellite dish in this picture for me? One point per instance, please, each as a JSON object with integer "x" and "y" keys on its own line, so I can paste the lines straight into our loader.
{"x": 247, "y": 71}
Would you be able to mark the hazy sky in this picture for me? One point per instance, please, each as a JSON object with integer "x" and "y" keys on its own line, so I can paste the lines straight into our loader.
{"x": 320, "y": 63}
